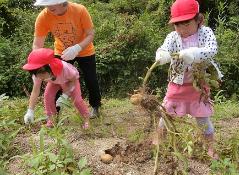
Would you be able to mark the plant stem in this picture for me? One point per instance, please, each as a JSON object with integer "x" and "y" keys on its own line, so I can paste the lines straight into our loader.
{"x": 157, "y": 156}
{"x": 149, "y": 73}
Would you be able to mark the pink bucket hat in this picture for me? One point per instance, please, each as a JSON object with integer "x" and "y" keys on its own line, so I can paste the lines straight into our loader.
{"x": 41, "y": 57}
{"x": 183, "y": 10}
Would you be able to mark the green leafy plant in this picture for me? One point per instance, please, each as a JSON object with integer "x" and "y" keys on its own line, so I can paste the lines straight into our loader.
{"x": 137, "y": 136}
{"x": 231, "y": 148}
{"x": 219, "y": 97}
{"x": 8, "y": 132}
{"x": 224, "y": 166}
{"x": 53, "y": 158}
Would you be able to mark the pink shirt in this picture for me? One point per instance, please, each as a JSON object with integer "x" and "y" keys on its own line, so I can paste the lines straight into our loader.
{"x": 191, "y": 41}
{"x": 68, "y": 73}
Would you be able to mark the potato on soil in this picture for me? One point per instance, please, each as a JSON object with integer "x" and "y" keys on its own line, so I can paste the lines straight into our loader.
{"x": 136, "y": 99}
{"x": 106, "y": 158}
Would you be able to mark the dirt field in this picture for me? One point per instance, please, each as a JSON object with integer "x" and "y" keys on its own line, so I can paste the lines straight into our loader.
{"x": 115, "y": 133}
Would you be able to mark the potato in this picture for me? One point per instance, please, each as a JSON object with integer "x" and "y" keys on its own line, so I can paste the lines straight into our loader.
{"x": 136, "y": 99}
{"x": 106, "y": 158}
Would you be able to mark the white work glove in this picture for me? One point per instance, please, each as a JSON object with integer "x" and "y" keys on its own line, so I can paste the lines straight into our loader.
{"x": 189, "y": 55}
{"x": 62, "y": 100}
{"x": 163, "y": 57}
{"x": 29, "y": 116}
{"x": 71, "y": 52}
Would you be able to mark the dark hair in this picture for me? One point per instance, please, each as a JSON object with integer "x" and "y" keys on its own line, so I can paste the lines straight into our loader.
{"x": 199, "y": 17}
{"x": 196, "y": 17}
{"x": 65, "y": 4}
{"x": 45, "y": 68}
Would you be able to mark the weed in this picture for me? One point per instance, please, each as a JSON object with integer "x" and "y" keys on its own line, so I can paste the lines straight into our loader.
{"x": 219, "y": 97}
{"x": 136, "y": 136}
{"x": 224, "y": 166}
{"x": 8, "y": 131}
{"x": 226, "y": 110}
{"x": 231, "y": 148}
{"x": 53, "y": 158}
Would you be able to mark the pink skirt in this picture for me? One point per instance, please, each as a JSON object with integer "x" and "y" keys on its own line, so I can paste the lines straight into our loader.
{"x": 185, "y": 99}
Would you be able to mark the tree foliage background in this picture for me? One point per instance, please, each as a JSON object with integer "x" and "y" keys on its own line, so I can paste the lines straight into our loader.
{"x": 128, "y": 32}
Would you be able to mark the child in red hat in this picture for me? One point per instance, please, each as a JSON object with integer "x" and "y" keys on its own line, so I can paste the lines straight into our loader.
{"x": 194, "y": 43}
{"x": 59, "y": 75}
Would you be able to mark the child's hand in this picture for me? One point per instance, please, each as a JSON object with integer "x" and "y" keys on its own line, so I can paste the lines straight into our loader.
{"x": 29, "y": 116}
{"x": 162, "y": 57}
{"x": 187, "y": 55}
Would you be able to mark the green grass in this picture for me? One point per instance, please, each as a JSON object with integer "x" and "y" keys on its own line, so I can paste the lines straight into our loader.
{"x": 226, "y": 110}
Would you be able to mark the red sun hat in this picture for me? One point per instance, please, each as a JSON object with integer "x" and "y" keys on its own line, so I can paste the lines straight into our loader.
{"x": 183, "y": 10}
{"x": 41, "y": 57}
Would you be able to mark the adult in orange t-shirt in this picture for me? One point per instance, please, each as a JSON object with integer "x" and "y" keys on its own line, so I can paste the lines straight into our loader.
{"x": 73, "y": 32}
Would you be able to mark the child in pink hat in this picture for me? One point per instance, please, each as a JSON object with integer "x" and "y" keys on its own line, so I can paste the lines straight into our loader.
{"x": 59, "y": 75}
{"x": 195, "y": 43}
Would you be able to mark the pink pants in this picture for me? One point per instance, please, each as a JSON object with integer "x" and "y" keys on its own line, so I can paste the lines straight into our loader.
{"x": 50, "y": 95}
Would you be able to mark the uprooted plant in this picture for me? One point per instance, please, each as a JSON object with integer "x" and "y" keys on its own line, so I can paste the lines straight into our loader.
{"x": 152, "y": 105}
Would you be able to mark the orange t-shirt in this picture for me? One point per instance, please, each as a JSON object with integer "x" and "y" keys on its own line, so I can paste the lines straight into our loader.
{"x": 67, "y": 29}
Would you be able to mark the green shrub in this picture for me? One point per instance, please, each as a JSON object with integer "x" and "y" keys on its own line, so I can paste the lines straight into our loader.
{"x": 128, "y": 33}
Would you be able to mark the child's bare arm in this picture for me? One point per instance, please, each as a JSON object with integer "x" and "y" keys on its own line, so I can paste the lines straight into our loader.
{"x": 34, "y": 94}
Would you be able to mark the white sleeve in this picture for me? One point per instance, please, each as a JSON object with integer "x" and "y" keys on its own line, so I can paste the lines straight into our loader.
{"x": 168, "y": 44}
{"x": 210, "y": 47}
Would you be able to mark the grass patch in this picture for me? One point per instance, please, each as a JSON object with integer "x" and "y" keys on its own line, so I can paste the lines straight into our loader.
{"x": 226, "y": 110}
